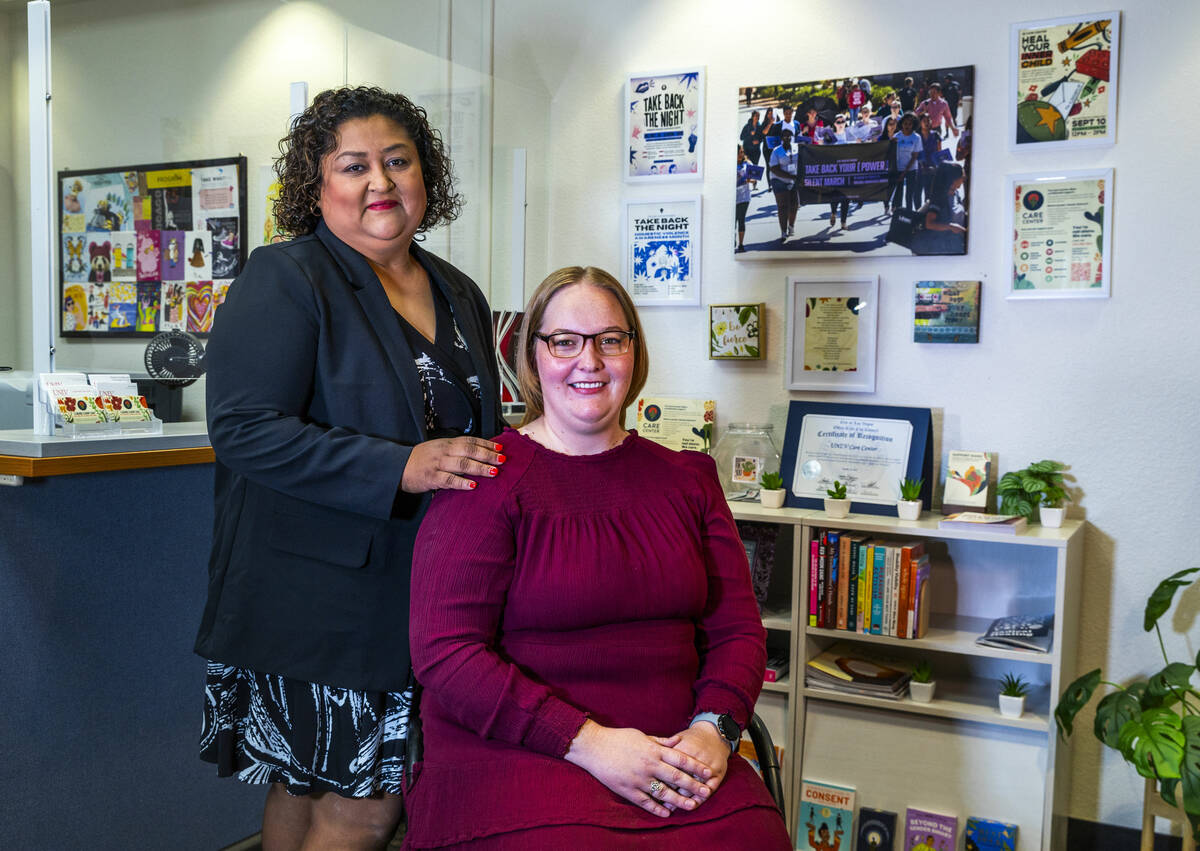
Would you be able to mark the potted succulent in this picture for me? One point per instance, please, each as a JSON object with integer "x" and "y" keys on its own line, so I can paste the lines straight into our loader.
{"x": 1039, "y": 484}
{"x": 772, "y": 493}
{"x": 1154, "y": 723}
{"x": 1013, "y": 691}
{"x": 922, "y": 684}
{"x": 909, "y": 505}
{"x": 836, "y": 504}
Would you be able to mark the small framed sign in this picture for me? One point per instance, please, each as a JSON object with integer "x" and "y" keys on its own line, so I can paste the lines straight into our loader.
{"x": 735, "y": 332}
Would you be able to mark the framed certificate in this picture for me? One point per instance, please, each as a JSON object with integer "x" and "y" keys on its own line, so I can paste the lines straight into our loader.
{"x": 831, "y": 325}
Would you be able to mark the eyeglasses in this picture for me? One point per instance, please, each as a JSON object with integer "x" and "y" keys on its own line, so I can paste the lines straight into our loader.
{"x": 839, "y": 121}
{"x": 568, "y": 344}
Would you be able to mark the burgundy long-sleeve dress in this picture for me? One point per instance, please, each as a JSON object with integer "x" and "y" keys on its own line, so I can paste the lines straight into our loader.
{"x": 611, "y": 586}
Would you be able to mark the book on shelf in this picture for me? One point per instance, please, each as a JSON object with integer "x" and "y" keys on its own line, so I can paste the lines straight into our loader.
{"x": 843, "y": 580}
{"x": 926, "y": 831}
{"x": 966, "y": 481}
{"x": 813, "y": 555}
{"x": 855, "y": 669}
{"x": 878, "y": 577}
{"x": 876, "y": 830}
{"x": 777, "y": 668}
{"x": 832, "y": 537}
{"x": 826, "y": 816}
{"x": 1001, "y": 524}
{"x": 1020, "y": 632}
{"x": 822, "y": 574}
{"x": 984, "y": 834}
{"x": 922, "y": 596}
{"x": 909, "y": 553}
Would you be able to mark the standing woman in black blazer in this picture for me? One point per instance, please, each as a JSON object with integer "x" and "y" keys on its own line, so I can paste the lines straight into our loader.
{"x": 350, "y": 373}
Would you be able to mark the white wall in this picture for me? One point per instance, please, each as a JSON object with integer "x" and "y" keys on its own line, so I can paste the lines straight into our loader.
{"x": 1109, "y": 387}
{"x": 14, "y": 312}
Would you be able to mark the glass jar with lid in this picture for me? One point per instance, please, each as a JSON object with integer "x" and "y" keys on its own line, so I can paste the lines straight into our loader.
{"x": 744, "y": 452}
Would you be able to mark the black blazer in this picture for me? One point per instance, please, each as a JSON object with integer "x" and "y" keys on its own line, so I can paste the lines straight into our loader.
{"x": 314, "y": 404}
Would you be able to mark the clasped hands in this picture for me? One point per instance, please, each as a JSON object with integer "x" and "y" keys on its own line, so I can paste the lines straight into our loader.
{"x": 659, "y": 774}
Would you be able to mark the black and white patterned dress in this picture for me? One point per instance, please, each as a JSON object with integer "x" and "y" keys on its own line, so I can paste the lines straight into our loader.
{"x": 266, "y": 728}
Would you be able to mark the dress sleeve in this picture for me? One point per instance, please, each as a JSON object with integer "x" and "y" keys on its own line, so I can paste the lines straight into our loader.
{"x": 730, "y": 636}
{"x": 262, "y": 374}
{"x": 462, "y": 569}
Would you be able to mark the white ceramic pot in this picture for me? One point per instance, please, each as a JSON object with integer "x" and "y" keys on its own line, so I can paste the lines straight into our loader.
{"x": 909, "y": 509}
{"x": 921, "y": 692}
{"x": 772, "y": 498}
{"x": 1012, "y": 707}
{"x": 1052, "y": 518}
{"x": 837, "y": 507}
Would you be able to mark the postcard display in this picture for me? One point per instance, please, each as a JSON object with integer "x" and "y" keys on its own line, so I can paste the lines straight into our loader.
{"x": 149, "y": 248}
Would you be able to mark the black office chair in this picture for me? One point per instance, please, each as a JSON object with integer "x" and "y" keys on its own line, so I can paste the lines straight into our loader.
{"x": 768, "y": 761}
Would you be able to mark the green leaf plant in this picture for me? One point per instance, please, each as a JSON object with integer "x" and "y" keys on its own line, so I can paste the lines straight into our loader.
{"x": 772, "y": 481}
{"x": 1153, "y": 723}
{"x": 1014, "y": 685}
{"x": 910, "y": 489}
{"x": 1021, "y": 491}
{"x": 922, "y": 672}
{"x": 838, "y": 491}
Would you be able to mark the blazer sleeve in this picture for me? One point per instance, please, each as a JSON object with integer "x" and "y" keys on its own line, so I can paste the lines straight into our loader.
{"x": 459, "y": 585}
{"x": 262, "y": 374}
{"x": 730, "y": 636}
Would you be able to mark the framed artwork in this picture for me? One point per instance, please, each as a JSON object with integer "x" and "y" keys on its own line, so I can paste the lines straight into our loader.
{"x": 831, "y": 330}
{"x": 735, "y": 332}
{"x": 664, "y": 126}
{"x": 1060, "y": 225}
{"x": 1063, "y": 81}
{"x": 149, "y": 248}
{"x": 869, "y": 448}
{"x": 946, "y": 312}
{"x": 844, "y": 184}
{"x": 661, "y": 244}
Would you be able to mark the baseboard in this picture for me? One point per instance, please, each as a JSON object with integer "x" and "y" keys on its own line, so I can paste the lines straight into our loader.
{"x": 1097, "y": 836}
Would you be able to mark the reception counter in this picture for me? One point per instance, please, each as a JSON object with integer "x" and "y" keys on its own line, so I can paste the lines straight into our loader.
{"x": 103, "y": 574}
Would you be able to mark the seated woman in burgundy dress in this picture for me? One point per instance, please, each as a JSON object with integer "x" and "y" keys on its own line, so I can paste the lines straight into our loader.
{"x": 584, "y": 626}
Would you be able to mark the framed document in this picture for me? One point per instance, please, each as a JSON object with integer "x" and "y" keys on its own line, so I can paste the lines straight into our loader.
{"x": 664, "y": 126}
{"x": 868, "y": 448}
{"x": 831, "y": 334}
{"x": 1063, "y": 82}
{"x": 1061, "y": 225}
{"x": 735, "y": 331}
{"x": 661, "y": 241}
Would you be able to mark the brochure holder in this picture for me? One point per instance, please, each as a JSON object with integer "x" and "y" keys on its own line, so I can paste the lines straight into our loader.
{"x": 77, "y": 409}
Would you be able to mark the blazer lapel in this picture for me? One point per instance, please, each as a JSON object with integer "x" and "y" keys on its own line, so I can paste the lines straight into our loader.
{"x": 382, "y": 317}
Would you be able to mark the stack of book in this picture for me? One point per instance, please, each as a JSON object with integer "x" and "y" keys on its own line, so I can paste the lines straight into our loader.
{"x": 862, "y": 585}
{"x": 857, "y": 669}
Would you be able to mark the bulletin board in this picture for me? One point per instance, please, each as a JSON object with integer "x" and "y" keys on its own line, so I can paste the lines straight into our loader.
{"x": 149, "y": 248}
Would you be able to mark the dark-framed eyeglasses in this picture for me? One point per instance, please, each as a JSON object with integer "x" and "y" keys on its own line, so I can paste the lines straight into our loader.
{"x": 568, "y": 344}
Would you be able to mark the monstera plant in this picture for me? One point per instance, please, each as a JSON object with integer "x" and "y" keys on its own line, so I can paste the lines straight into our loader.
{"x": 1153, "y": 723}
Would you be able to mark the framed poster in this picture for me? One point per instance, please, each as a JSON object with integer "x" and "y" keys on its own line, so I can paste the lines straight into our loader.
{"x": 946, "y": 312}
{"x": 664, "y": 126}
{"x": 869, "y": 448}
{"x": 149, "y": 248}
{"x": 735, "y": 332}
{"x": 661, "y": 242}
{"x": 1061, "y": 226}
{"x": 1063, "y": 81}
{"x": 848, "y": 181}
{"x": 831, "y": 327}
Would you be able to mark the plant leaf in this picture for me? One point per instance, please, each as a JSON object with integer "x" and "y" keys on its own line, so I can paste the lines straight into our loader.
{"x": 1189, "y": 768}
{"x": 1075, "y": 697}
{"x": 752, "y": 351}
{"x": 1153, "y": 743}
{"x": 1166, "y": 790}
{"x": 1170, "y": 679}
{"x": 1113, "y": 713}
{"x": 745, "y": 313}
{"x": 1032, "y": 484}
{"x": 1158, "y": 602}
{"x": 1144, "y": 698}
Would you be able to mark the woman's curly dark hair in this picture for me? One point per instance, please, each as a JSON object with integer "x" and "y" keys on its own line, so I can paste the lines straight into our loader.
{"x": 314, "y": 134}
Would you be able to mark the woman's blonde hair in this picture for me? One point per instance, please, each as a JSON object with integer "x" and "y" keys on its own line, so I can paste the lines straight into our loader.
{"x": 569, "y": 276}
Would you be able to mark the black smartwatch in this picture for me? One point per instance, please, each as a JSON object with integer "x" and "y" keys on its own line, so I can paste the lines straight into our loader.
{"x": 726, "y": 726}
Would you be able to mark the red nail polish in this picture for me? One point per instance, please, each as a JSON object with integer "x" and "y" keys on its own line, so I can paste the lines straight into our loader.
{"x": 501, "y": 459}
{"x": 498, "y": 447}
{"x": 492, "y": 471}
{"x": 473, "y": 484}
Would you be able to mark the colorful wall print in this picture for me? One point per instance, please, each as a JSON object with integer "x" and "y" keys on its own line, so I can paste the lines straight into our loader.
{"x": 160, "y": 224}
{"x": 735, "y": 332}
{"x": 664, "y": 125}
{"x": 662, "y": 251}
{"x": 1064, "y": 81}
{"x": 848, "y": 177}
{"x": 946, "y": 312}
{"x": 199, "y": 306}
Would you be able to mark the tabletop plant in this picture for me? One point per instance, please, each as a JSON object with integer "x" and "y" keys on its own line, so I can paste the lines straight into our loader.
{"x": 910, "y": 489}
{"x": 1014, "y": 685}
{"x": 772, "y": 481}
{"x": 1041, "y": 483}
{"x": 838, "y": 491}
{"x": 922, "y": 672}
{"x": 1154, "y": 723}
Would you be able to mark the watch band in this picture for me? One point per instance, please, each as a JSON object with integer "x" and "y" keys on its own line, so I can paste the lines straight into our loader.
{"x": 727, "y": 728}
